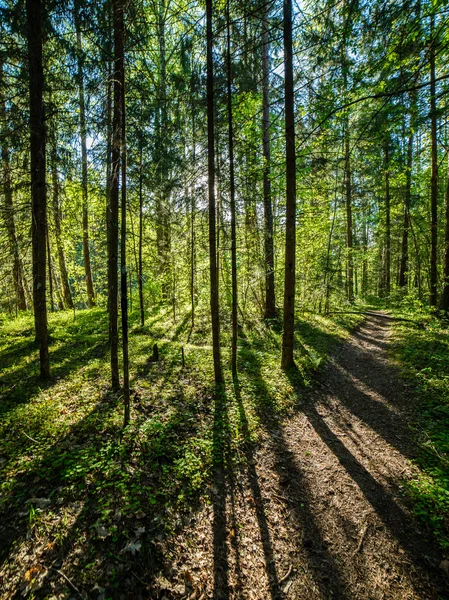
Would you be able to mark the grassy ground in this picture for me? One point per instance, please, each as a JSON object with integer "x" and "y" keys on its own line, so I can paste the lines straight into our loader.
{"x": 85, "y": 504}
{"x": 423, "y": 354}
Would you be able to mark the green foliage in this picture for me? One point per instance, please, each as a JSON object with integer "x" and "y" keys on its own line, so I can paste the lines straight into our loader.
{"x": 85, "y": 481}
{"x": 424, "y": 356}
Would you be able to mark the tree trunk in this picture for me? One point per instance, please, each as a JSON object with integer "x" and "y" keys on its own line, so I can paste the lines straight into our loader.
{"x": 113, "y": 212}
{"x": 140, "y": 265}
{"x": 444, "y": 300}
{"x": 8, "y": 206}
{"x": 232, "y": 198}
{"x": 84, "y": 180}
{"x": 387, "y": 219}
{"x": 119, "y": 23}
{"x": 287, "y": 360}
{"x": 403, "y": 269}
{"x": 214, "y": 298}
{"x": 67, "y": 294}
{"x": 50, "y": 275}
{"x": 348, "y": 189}
{"x": 35, "y": 19}
{"x": 270, "y": 300}
{"x": 434, "y": 173}
{"x": 192, "y": 212}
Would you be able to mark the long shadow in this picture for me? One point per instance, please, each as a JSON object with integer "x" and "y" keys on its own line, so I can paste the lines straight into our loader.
{"x": 219, "y": 477}
{"x": 368, "y": 388}
{"x": 323, "y": 566}
{"x": 273, "y": 579}
{"x": 395, "y": 519}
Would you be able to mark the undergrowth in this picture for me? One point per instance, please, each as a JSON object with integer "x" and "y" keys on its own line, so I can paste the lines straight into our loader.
{"x": 81, "y": 495}
{"x": 423, "y": 353}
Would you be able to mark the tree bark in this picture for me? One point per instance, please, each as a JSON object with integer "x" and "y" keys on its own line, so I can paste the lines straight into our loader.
{"x": 67, "y": 294}
{"x": 434, "y": 172}
{"x": 120, "y": 23}
{"x": 387, "y": 219}
{"x": 403, "y": 269}
{"x": 349, "y": 230}
{"x": 113, "y": 208}
{"x": 214, "y": 298}
{"x": 140, "y": 262}
{"x": 444, "y": 300}
{"x": 270, "y": 300}
{"x": 232, "y": 197}
{"x": 287, "y": 360}
{"x": 35, "y": 19}
{"x": 84, "y": 177}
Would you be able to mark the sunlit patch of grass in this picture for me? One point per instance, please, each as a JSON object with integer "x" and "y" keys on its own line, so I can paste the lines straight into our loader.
{"x": 423, "y": 354}
{"x": 63, "y": 443}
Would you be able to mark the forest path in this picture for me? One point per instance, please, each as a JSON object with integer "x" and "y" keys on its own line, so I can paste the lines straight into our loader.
{"x": 318, "y": 510}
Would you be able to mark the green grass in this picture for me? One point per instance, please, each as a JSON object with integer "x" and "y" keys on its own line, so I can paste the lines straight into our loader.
{"x": 423, "y": 353}
{"x": 74, "y": 484}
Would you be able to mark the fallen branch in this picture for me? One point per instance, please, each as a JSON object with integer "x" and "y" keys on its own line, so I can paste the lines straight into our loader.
{"x": 286, "y": 576}
{"x": 362, "y": 537}
{"x": 71, "y": 584}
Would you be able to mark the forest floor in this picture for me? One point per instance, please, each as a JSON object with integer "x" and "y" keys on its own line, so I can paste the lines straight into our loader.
{"x": 276, "y": 487}
{"x": 319, "y": 509}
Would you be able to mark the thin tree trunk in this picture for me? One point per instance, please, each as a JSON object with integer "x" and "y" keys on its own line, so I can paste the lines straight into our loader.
{"x": 270, "y": 300}
{"x": 113, "y": 208}
{"x": 214, "y": 298}
{"x": 8, "y": 206}
{"x": 120, "y": 32}
{"x": 84, "y": 179}
{"x": 140, "y": 264}
{"x": 50, "y": 274}
{"x": 67, "y": 294}
{"x": 193, "y": 208}
{"x": 232, "y": 198}
{"x": 444, "y": 300}
{"x": 403, "y": 270}
{"x": 387, "y": 219}
{"x": 434, "y": 173}
{"x": 35, "y": 18}
{"x": 349, "y": 240}
{"x": 287, "y": 360}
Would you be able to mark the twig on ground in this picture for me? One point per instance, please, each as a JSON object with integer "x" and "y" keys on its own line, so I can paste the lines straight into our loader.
{"x": 71, "y": 584}
{"x": 362, "y": 537}
{"x": 29, "y": 437}
{"x": 286, "y": 576}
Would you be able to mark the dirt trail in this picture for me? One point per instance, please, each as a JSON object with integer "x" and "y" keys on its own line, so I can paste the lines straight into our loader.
{"x": 319, "y": 513}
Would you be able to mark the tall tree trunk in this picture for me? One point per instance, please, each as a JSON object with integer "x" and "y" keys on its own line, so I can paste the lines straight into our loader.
{"x": 270, "y": 300}
{"x": 113, "y": 208}
{"x": 140, "y": 263}
{"x": 387, "y": 219}
{"x": 193, "y": 210}
{"x": 120, "y": 26}
{"x": 434, "y": 173}
{"x": 214, "y": 298}
{"x": 403, "y": 269}
{"x": 84, "y": 179}
{"x": 349, "y": 230}
{"x": 232, "y": 197}
{"x": 444, "y": 300}
{"x": 67, "y": 294}
{"x": 287, "y": 360}
{"x": 8, "y": 206}
{"x": 35, "y": 19}
{"x": 50, "y": 274}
